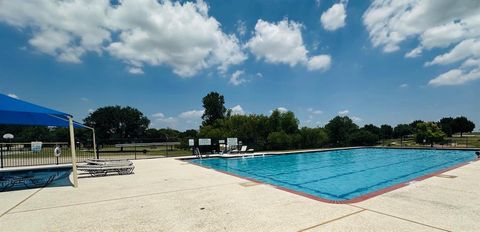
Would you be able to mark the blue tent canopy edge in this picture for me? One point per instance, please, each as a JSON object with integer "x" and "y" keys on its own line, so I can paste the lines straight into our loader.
{"x": 17, "y": 112}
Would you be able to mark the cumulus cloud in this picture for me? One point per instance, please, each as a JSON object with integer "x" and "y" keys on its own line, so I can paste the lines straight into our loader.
{"x": 456, "y": 77}
{"x": 356, "y": 119}
{"x": 343, "y": 112}
{"x": 13, "y": 96}
{"x": 403, "y": 85}
{"x": 436, "y": 24}
{"x": 314, "y": 111}
{"x": 241, "y": 27}
{"x": 282, "y": 109}
{"x": 236, "y": 78}
{"x": 158, "y": 115}
{"x": 139, "y": 32}
{"x": 320, "y": 62}
{"x": 192, "y": 114}
{"x": 185, "y": 120}
{"x": 282, "y": 43}
{"x": 334, "y": 17}
{"x": 237, "y": 110}
{"x": 135, "y": 70}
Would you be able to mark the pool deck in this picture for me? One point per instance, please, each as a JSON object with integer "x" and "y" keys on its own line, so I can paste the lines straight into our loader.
{"x": 172, "y": 195}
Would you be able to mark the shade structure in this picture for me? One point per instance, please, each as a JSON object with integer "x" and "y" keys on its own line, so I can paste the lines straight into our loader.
{"x": 17, "y": 112}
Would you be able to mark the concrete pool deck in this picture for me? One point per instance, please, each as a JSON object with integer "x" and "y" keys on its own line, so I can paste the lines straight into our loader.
{"x": 172, "y": 195}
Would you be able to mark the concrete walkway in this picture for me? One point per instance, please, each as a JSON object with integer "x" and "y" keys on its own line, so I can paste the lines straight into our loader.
{"x": 172, "y": 195}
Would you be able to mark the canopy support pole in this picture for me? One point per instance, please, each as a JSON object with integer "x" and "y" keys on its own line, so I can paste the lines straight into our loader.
{"x": 94, "y": 144}
{"x": 74, "y": 155}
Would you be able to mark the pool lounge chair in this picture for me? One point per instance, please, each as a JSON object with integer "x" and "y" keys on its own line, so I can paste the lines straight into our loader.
{"x": 101, "y": 167}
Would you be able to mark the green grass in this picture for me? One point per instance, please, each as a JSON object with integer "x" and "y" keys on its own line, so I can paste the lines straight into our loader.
{"x": 471, "y": 140}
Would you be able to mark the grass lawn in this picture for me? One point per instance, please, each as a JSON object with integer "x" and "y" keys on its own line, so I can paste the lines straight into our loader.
{"x": 471, "y": 140}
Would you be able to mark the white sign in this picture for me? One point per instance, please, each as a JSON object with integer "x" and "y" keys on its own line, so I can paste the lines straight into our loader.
{"x": 191, "y": 142}
{"x": 221, "y": 141}
{"x": 204, "y": 142}
{"x": 36, "y": 146}
{"x": 232, "y": 141}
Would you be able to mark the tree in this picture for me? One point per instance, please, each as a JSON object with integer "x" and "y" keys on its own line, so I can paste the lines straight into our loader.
{"x": 274, "y": 121}
{"x": 116, "y": 122}
{"x": 338, "y": 129}
{"x": 402, "y": 130}
{"x": 312, "y": 137}
{"x": 429, "y": 132}
{"x": 213, "y": 103}
{"x": 362, "y": 137}
{"x": 462, "y": 125}
{"x": 288, "y": 122}
{"x": 278, "y": 140}
{"x": 446, "y": 124}
{"x": 372, "y": 129}
{"x": 386, "y": 131}
{"x": 414, "y": 124}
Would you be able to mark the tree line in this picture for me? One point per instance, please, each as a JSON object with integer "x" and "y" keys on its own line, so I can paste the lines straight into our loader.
{"x": 279, "y": 130}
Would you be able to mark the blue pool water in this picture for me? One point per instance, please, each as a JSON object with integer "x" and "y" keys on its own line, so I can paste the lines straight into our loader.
{"x": 342, "y": 174}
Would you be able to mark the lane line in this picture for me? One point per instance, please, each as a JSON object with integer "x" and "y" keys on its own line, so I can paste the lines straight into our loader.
{"x": 332, "y": 220}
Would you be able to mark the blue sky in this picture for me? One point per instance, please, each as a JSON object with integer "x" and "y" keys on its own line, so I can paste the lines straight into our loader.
{"x": 375, "y": 61}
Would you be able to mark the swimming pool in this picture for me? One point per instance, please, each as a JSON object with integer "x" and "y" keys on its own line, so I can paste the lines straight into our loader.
{"x": 343, "y": 175}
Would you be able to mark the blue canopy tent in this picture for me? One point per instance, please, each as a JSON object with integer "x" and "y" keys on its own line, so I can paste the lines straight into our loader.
{"x": 17, "y": 112}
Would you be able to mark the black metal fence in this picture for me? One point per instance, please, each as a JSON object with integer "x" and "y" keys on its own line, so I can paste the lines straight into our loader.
{"x": 31, "y": 154}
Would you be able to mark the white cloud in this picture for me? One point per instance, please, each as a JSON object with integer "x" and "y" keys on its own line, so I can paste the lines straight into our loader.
{"x": 343, "y": 112}
{"x": 334, "y": 17}
{"x": 241, "y": 27}
{"x": 13, "y": 96}
{"x": 185, "y": 120}
{"x": 320, "y": 62}
{"x": 456, "y": 77}
{"x": 158, "y": 115}
{"x": 135, "y": 70}
{"x": 314, "y": 111}
{"x": 192, "y": 114}
{"x": 465, "y": 49}
{"x": 236, "y": 79}
{"x": 282, "y": 43}
{"x": 414, "y": 52}
{"x": 170, "y": 122}
{"x": 403, "y": 85}
{"x": 138, "y": 32}
{"x": 91, "y": 110}
{"x": 436, "y": 24}
{"x": 237, "y": 110}
{"x": 356, "y": 119}
{"x": 84, "y": 99}
{"x": 282, "y": 109}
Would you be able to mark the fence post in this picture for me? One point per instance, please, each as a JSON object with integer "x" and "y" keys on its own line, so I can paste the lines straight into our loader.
{"x": 1, "y": 155}
{"x": 97, "y": 153}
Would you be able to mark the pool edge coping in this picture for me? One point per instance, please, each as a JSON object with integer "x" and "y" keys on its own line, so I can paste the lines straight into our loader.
{"x": 350, "y": 201}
